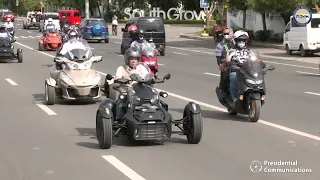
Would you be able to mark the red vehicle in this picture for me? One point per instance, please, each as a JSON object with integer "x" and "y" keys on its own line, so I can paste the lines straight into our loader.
{"x": 148, "y": 55}
{"x": 72, "y": 16}
{"x": 50, "y": 41}
{"x": 7, "y": 14}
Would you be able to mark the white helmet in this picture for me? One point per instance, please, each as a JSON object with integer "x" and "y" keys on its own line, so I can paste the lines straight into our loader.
{"x": 241, "y": 38}
{"x": 240, "y": 34}
{"x": 50, "y": 20}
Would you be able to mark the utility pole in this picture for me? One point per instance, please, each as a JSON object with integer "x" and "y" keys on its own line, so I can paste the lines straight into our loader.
{"x": 87, "y": 8}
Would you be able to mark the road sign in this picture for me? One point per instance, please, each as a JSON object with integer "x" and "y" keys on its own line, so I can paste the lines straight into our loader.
{"x": 204, "y": 4}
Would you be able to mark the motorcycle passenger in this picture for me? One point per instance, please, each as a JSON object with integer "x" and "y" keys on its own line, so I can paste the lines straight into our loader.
{"x": 221, "y": 52}
{"x": 133, "y": 31}
{"x": 3, "y": 32}
{"x": 131, "y": 66}
{"x": 239, "y": 54}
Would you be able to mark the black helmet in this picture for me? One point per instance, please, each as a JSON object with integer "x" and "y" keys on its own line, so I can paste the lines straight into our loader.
{"x": 141, "y": 34}
{"x": 132, "y": 52}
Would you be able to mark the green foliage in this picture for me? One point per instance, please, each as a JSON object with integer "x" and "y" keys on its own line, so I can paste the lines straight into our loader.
{"x": 263, "y": 35}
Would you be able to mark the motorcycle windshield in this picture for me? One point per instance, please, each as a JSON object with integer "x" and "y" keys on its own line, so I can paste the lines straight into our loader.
{"x": 80, "y": 52}
{"x": 147, "y": 49}
{"x": 253, "y": 66}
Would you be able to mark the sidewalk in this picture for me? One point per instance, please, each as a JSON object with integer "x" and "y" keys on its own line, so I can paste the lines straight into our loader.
{"x": 254, "y": 43}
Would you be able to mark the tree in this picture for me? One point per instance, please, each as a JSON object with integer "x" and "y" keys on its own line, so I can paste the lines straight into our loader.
{"x": 237, "y": 6}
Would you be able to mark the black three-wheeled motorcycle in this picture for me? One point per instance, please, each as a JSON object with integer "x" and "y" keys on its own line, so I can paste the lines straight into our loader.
{"x": 145, "y": 115}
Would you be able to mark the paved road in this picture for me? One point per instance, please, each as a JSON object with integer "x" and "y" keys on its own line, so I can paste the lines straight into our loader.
{"x": 58, "y": 142}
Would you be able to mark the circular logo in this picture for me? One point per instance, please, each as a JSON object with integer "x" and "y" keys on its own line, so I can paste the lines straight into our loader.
{"x": 302, "y": 15}
{"x": 256, "y": 166}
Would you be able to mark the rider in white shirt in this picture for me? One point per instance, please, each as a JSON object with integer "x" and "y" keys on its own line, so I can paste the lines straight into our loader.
{"x": 115, "y": 20}
{"x": 50, "y": 24}
{"x": 9, "y": 24}
{"x": 72, "y": 43}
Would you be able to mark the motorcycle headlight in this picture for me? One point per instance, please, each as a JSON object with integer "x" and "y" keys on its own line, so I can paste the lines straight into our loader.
{"x": 65, "y": 78}
{"x": 97, "y": 78}
{"x": 254, "y": 81}
{"x": 12, "y": 47}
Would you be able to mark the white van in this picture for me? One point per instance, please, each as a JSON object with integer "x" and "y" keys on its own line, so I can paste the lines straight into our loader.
{"x": 44, "y": 20}
{"x": 305, "y": 39}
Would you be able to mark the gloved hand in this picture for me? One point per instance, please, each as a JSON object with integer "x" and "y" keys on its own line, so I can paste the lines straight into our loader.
{"x": 222, "y": 68}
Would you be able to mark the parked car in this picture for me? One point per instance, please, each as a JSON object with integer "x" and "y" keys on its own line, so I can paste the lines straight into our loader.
{"x": 7, "y": 14}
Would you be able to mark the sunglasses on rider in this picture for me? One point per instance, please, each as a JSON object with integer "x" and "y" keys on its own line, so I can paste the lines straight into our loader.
{"x": 226, "y": 33}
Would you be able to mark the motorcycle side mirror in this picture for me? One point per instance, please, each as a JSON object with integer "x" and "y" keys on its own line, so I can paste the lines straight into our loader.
{"x": 109, "y": 77}
{"x": 123, "y": 29}
{"x": 163, "y": 94}
{"x": 97, "y": 59}
{"x": 167, "y": 76}
{"x": 270, "y": 68}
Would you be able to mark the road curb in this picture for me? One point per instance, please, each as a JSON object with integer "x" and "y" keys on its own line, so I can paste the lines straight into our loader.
{"x": 254, "y": 44}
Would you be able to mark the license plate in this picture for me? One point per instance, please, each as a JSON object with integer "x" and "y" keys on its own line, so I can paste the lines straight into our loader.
{"x": 97, "y": 37}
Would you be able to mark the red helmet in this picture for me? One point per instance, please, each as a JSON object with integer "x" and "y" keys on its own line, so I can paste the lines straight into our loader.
{"x": 133, "y": 29}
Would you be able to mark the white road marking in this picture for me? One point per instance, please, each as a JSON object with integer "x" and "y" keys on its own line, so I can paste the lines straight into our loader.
{"x": 292, "y": 65}
{"x": 29, "y": 32}
{"x": 20, "y": 29}
{"x": 117, "y": 54}
{"x": 308, "y": 73}
{"x": 190, "y": 50}
{"x": 31, "y": 36}
{"x": 123, "y": 168}
{"x": 16, "y": 37}
{"x": 117, "y": 42}
{"x": 23, "y": 37}
{"x": 317, "y": 94}
{"x": 11, "y": 82}
{"x": 181, "y": 54}
{"x": 46, "y": 109}
{"x": 218, "y": 108}
{"x": 218, "y": 75}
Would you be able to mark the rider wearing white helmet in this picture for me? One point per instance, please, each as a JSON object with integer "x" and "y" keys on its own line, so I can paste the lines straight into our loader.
{"x": 239, "y": 54}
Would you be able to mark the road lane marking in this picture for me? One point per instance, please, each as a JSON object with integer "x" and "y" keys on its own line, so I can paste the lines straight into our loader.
{"x": 308, "y": 73}
{"x": 46, "y": 109}
{"x": 292, "y": 65}
{"x": 123, "y": 168}
{"x": 23, "y": 37}
{"x": 317, "y": 94}
{"x": 219, "y": 109}
{"x": 117, "y": 54}
{"x": 218, "y": 75}
{"x": 11, "y": 82}
{"x": 29, "y": 32}
{"x": 192, "y": 50}
{"x": 181, "y": 54}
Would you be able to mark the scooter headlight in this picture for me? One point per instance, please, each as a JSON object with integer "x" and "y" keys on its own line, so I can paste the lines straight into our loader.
{"x": 151, "y": 63}
{"x": 155, "y": 99}
{"x": 250, "y": 81}
{"x": 12, "y": 47}
{"x": 97, "y": 78}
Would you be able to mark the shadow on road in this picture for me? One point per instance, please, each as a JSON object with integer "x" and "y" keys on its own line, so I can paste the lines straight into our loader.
{"x": 40, "y": 97}
{"x": 218, "y": 115}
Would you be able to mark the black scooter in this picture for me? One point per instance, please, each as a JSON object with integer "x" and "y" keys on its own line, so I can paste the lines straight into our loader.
{"x": 251, "y": 89}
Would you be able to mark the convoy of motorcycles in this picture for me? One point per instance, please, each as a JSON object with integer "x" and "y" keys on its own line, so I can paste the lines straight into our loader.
{"x": 145, "y": 115}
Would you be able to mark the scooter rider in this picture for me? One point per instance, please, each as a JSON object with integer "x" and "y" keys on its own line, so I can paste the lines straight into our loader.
{"x": 50, "y": 24}
{"x": 239, "y": 54}
{"x": 221, "y": 52}
{"x": 133, "y": 31}
{"x": 131, "y": 66}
